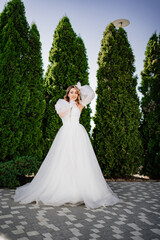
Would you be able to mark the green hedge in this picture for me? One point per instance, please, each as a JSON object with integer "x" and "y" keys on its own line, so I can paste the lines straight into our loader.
{"x": 12, "y": 172}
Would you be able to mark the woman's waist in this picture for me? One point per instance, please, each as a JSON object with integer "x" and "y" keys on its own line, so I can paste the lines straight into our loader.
{"x": 71, "y": 122}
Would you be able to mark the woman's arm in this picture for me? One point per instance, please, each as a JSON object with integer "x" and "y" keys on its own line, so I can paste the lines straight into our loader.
{"x": 87, "y": 94}
{"x": 63, "y": 107}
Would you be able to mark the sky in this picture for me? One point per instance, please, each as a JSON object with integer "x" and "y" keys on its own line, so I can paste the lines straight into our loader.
{"x": 89, "y": 19}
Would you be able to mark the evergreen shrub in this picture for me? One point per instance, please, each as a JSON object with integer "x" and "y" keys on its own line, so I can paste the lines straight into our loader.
{"x": 12, "y": 173}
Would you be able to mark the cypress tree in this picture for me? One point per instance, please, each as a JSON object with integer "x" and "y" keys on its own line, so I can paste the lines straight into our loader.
{"x": 68, "y": 65}
{"x": 116, "y": 137}
{"x": 31, "y": 143}
{"x": 150, "y": 104}
{"x": 14, "y": 93}
{"x": 81, "y": 63}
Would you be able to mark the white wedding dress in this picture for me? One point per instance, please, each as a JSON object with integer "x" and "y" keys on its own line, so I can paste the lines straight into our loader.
{"x": 70, "y": 173}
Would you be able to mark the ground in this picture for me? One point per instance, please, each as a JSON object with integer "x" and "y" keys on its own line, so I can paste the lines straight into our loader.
{"x": 136, "y": 216}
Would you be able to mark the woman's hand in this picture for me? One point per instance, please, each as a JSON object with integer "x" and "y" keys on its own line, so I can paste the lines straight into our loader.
{"x": 72, "y": 103}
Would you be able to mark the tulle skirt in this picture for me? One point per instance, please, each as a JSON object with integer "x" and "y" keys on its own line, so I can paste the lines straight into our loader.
{"x": 70, "y": 174}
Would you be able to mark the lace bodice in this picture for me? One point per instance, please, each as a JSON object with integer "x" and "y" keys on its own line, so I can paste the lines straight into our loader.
{"x": 72, "y": 115}
{"x": 69, "y": 111}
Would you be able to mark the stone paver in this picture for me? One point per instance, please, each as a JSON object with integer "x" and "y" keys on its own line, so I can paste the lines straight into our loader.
{"x": 136, "y": 217}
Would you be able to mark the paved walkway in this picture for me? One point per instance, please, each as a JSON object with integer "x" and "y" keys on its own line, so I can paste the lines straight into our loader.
{"x": 136, "y": 217}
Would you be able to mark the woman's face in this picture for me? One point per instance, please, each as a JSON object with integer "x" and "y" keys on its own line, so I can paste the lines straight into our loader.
{"x": 72, "y": 94}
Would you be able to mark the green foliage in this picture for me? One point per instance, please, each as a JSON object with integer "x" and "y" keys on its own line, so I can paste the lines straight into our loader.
{"x": 31, "y": 142}
{"x": 11, "y": 171}
{"x": 68, "y": 65}
{"x": 116, "y": 137}
{"x": 14, "y": 93}
{"x": 81, "y": 63}
{"x": 22, "y": 101}
{"x": 150, "y": 104}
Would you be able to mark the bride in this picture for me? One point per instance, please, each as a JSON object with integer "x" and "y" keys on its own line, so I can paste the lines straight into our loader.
{"x": 70, "y": 173}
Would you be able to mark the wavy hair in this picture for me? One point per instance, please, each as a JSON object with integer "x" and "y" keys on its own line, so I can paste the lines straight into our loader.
{"x": 68, "y": 90}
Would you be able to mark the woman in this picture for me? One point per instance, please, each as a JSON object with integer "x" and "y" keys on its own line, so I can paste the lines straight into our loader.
{"x": 70, "y": 173}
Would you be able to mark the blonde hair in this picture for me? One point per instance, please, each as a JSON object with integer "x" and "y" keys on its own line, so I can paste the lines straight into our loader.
{"x": 68, "y": 90}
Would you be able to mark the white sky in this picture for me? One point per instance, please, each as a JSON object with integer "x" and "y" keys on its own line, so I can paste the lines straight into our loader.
{"x": 89, "y": 18}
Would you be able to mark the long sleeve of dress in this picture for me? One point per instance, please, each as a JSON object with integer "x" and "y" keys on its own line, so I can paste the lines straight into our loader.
{"x": 63, "y": 107}
{"x": 87, "y": 94}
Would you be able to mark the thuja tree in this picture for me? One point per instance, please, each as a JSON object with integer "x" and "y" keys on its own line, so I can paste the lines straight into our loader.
{"x": 68, "y": 65}
{"x": 81, "y": 67}
{"x": 116, "y": 137}
{"x": 31, "y": 143}
{"x": 150, "y": 89}
{"x": 14, "y": 93}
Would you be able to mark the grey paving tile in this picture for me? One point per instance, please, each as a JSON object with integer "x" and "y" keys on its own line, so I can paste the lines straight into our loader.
{"x": 136, "y": 217}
